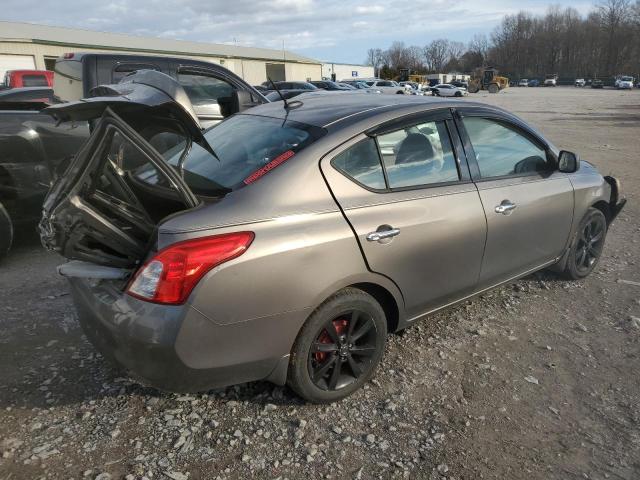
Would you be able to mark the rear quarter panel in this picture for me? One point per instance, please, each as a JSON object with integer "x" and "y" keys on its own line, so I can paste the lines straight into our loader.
{"x": 303, "y": 251}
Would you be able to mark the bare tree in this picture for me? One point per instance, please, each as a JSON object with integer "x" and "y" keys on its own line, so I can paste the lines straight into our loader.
{"x": 604, "y": 43}
{"x": 375, "y": 58}
{"x": 436, "y": 54}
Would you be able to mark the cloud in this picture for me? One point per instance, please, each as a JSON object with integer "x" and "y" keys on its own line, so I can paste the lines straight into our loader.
{"x": 336, "y": 30}
{"x": 370, "y": 9}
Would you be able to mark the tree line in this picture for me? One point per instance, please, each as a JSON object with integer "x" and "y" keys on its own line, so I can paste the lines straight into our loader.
{"x": 603, "y": 43}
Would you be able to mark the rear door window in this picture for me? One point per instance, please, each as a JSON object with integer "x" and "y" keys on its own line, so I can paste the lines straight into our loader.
{"x": 204, "y": 90}
{"x": 34, "y": 81}
{"x": 419, "y": 155}
{"x": 122, "y": 70}
{"x": 361, "y": 163}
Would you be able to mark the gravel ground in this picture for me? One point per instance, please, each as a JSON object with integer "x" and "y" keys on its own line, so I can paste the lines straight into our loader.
{"x": 538, "y": 379}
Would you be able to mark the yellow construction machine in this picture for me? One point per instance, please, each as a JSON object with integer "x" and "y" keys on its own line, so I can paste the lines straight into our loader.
{"x": 487, "y": 79}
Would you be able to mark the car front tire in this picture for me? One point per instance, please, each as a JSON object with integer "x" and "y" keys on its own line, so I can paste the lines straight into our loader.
{"x": 6, "y": 231}
{"x": 587, "y": 245}
{"x": 338, "y": 347}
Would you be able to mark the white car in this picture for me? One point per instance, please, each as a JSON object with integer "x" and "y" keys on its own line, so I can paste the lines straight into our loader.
{"x": 446, "y": 90}
{"x": 387, "y": 86}
{"x": 411, "y": 88}
{"x": 523, "y": 83}
{"x": 624, "y": 82}
{"x": 580, "y": 82}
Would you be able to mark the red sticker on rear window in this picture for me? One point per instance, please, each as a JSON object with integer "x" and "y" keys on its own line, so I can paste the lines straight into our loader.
{"x": 283, "y": 157}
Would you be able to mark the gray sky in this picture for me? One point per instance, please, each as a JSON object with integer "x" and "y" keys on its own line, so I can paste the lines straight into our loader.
{"x": 339, "y": 31}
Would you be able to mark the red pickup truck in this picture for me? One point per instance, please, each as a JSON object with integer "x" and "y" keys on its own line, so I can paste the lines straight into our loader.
{"x": 28, "y": 78}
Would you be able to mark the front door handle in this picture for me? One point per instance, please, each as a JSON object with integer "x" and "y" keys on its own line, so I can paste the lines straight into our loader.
{"x": 381, "y": 234}
{"x": 505, "y": 207}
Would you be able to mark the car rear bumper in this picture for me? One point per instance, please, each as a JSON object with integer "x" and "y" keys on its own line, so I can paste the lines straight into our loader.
{"x": 176, "y": 348}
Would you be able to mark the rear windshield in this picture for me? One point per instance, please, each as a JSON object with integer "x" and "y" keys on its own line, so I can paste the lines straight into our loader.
{"x": 243, "y": 146}
{"x": 34, "y": 81}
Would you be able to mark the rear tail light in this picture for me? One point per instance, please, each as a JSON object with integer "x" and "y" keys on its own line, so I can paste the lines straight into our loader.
{"x": 171, "y": 275}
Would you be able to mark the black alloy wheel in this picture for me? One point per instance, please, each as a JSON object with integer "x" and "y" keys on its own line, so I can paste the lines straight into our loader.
{"x": 339, "y": 347}
{"x": 590, "y": 244}
{"x": 343, "y": 350}
{"x": 587, "y": 245}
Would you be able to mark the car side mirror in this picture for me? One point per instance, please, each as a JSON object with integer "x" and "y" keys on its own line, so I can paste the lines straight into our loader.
{"x": 243, "y": 100}
{"x": 568, "y": 162}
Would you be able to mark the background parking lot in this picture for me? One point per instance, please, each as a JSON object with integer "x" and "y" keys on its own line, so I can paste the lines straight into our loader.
{"x": 538, "y": 379}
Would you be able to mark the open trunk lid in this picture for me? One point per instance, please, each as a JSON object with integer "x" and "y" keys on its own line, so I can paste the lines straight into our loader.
{"x": 105, "y": 208}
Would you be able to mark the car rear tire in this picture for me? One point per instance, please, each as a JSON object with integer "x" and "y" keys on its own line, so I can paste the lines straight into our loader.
{"x": 587, "y": 245}
{"x": 6, "y": 232}
{"x": 338, "y": 347}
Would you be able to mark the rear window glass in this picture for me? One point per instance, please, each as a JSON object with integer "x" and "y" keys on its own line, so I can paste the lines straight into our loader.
{"x": 34, "y": 81}
{"x": 362, "y": 163}
{"x": 243, "y": 145}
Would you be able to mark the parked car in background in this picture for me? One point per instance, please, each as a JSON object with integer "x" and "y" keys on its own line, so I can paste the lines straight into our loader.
{"x": 624, "y": 82}
{"x": 534, "y": 82}
{"x": 411, "y": 88}
{"x": 386, "y": 86}
{"x": 287, "y": 89}
{"x": 33, "y": 149}
{"x": 290, "y": 86}
{"x": 448, "y": 90}
{"x": 551, "y": 80}
{"x": 167, "y": 240}
{"x": 329, "y": 85}
{"x": 274, "y": 96}
{"x": 460, "y": 84}
{"x": 580, "y": 82}
{"x": 28, "y": 78}
{"x": 523, "y": 83}
{"x": 361, "y": 85}
{"x": 347, "y": 86}
{"x": 597, "y": 83}
{"x": 213, "y": 90}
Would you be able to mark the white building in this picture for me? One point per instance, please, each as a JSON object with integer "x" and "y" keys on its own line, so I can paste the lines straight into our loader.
{"x": 438, "y": 78}
{"x": 345, "y": 71}
{"x": 30, "y": 46}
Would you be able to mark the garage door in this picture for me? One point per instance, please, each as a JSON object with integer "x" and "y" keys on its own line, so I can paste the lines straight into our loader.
{"x": 15, "y": 62}
{"x": 275, "y": 71}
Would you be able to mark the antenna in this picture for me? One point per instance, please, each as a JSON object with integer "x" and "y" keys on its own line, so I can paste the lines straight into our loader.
{"x": 286, "y": 105}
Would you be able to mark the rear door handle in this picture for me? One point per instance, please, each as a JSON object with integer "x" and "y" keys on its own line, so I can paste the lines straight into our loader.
{"x": 505, "y": 207}
{"x": 382, "y": 234}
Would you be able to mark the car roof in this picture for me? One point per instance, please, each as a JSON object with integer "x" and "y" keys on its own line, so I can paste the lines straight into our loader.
{"x": 332, "y": 109}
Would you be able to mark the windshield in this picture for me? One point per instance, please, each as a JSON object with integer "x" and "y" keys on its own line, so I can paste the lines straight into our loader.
{"x": 626, "y": 79}
{"x": 243, "y": 145}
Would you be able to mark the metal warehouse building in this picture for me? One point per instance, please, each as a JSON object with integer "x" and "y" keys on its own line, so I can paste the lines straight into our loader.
{"x": 346, "y": 71}
{"x": 29, "y": 46}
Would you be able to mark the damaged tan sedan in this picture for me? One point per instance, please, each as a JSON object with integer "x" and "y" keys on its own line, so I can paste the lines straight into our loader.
{"x": 287, "y": 242}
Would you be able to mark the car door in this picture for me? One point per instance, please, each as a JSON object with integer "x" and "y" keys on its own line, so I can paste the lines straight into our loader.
{"x": 527, "y": 201}
{"x": 405, "y": 190}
